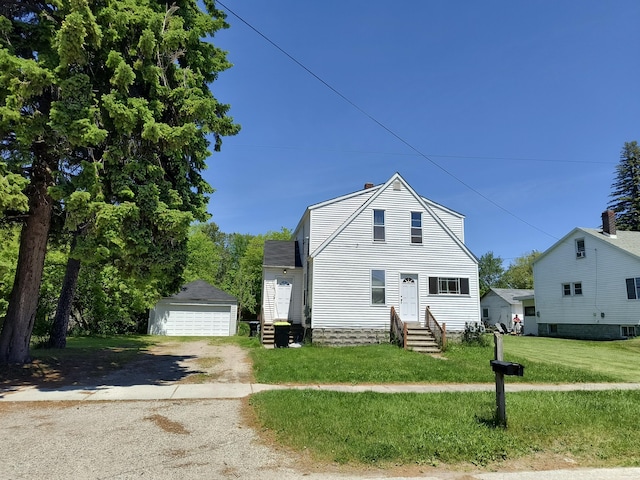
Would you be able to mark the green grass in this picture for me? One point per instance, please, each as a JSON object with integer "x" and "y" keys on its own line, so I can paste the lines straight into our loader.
{"x": 614, "y": 360}
{"x": 454, "y": 428}
{"x": 545, "y": 362}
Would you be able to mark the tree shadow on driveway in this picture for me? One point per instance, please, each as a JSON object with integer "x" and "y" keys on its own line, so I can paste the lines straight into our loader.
{"x": 90, "y": 368}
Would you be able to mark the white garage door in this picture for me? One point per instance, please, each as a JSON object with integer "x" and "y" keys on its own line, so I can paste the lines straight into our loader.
{"x": 198, "y": 320}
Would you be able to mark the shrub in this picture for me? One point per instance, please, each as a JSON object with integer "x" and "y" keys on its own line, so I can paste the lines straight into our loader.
{"x": 474, "y": 334}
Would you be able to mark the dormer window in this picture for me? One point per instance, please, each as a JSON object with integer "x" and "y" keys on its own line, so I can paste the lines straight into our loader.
{"x": 580, "y": 250}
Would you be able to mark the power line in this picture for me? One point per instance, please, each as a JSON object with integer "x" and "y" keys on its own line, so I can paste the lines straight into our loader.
{"x": 397, "y": 154}
{"x": 379, "y": 123}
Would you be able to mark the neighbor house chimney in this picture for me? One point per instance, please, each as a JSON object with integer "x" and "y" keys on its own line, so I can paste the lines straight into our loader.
{"x": 609, "y": 222}
{"x": 368, "y": 185}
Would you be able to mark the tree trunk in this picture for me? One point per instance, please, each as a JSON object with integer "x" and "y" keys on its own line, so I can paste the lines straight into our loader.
{"x": 58, "y": 334}
{"x": 23, "y": 302}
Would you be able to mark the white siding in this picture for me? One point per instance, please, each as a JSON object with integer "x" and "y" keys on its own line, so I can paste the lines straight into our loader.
{"x": 454, "y": 221}
{"x": 325, "y": 220}
{"x": 270, "y": 277}
{"x": 602, "y": 273}
{"x": 501, "y": 311}
{"x": 342, "y": 270}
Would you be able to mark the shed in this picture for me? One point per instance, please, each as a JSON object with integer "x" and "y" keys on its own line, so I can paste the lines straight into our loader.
{"x": 198, "y": 309}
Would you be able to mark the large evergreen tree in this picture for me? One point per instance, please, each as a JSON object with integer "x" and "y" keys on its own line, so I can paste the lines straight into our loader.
{"x": 106, "y": 111}
{"x": 626, "y": 188}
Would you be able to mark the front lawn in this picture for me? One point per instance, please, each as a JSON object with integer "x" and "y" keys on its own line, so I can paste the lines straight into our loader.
{"x": 546, "y": 360}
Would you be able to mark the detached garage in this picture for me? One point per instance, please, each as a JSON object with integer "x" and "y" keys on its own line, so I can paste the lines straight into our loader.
{"x": 198, "y": 309}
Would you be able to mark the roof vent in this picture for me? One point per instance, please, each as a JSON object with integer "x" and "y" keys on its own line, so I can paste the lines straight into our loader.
{"x": 396, "y": 185}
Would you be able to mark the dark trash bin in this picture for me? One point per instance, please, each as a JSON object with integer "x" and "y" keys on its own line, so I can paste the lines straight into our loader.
{"x": 281, "y": 334}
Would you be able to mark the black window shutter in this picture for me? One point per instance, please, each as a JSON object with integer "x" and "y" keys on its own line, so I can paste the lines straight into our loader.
{"x": 631, "y": 289}
{"x": 464, "y": 286}
{"x": 433, "y": 285}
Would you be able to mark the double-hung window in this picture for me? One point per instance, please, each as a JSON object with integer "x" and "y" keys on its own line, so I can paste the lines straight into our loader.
{"x": 633, "y": 288}
{"x": 378, "y": 225}
{"x": 378, "y": 287}
{"x": 416, "y": 227}
{"x": 580, "y": 250}
{"x": 569, "y": 289}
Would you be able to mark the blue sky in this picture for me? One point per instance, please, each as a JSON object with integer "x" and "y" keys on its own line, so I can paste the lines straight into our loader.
{"x": 522, "y": 109}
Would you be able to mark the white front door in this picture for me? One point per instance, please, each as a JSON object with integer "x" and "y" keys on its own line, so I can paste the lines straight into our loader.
{"x": 283, "y": 298}
{"x": 409, "y": 297}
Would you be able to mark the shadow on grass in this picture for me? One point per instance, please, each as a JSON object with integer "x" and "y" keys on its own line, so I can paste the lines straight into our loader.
{"x": 92, "y": 367}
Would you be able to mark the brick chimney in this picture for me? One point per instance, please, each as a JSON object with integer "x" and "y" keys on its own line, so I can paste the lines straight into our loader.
{"x": 368, "y": 185}
{"x": 609, "y": 222}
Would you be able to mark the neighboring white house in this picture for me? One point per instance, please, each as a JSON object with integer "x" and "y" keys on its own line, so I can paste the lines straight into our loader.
{"x": 587, "y": 285}
{"x": 362, "y": 253}
{"x": 501, "y": 305}
{"x": 198, "y": 309}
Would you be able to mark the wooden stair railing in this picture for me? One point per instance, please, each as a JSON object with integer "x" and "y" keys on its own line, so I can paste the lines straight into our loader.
{"x": 439, "y": 332}
{"x": 398, "y": 329}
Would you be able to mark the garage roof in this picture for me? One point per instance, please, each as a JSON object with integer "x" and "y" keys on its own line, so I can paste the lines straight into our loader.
{"x": 201, "y": 290}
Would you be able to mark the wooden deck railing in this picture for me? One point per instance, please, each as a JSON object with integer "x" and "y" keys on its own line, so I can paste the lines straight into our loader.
{"x": 398, "y": 328}
{"x": 440, "y": 332}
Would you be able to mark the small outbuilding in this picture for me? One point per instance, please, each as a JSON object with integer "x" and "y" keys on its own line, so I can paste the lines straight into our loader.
{"x": 198, "y": 309}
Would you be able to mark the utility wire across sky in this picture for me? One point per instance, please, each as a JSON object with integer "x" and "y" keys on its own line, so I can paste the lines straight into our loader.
{"x": 391, "y": 132}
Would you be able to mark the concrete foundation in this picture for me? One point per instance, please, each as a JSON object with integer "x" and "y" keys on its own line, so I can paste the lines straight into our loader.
{"x": 348, "y": 337}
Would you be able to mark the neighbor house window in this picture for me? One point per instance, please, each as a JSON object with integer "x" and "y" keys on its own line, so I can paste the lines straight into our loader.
{"x": 580, "y": 251}
{"x": 416, "y": 227}
{"x": 633, "y": 288}
{"x": 485, "y": 313}
{"x": 569, "y": 289}
{"x": 553, "y": 328}
{"x": 377, "y": 287}
{"x": 529, "y": 311}
{"x": 448, "y": 286}
{"x": 378, "y": 225}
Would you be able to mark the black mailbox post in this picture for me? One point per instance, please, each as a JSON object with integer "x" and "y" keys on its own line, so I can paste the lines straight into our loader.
{"x": 507, "y": 368}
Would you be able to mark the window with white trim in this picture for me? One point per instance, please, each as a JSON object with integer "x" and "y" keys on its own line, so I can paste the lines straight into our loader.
{"x": 633, "y": 288}
{"x": 569, "y": 289}
{"x": 378, "y": 225}
{"x": 416, "y": 227}
{"x": 580, "y": 250}
{"x": 378, "y": 287}
{"x": 448, "y": 286}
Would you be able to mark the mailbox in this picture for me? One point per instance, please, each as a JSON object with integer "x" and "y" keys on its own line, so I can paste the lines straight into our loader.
{"x": 507, "y": 368}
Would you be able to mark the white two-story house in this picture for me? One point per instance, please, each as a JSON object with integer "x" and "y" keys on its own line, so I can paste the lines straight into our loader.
{"x": 361, "y": 254}
{"x": 587, "y": 285}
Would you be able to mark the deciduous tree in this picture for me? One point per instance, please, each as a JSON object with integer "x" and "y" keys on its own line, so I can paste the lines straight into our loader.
{"x": 520, "y": 272}
{"x": 490, "y": 272}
